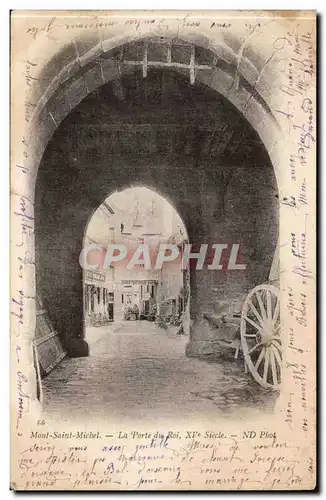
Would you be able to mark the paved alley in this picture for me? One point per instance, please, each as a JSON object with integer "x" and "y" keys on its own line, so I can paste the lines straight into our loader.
{"x": 136, "y": 370}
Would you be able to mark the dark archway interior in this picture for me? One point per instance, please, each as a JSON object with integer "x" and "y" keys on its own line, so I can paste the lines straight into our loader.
{"x": 186, "y": 142}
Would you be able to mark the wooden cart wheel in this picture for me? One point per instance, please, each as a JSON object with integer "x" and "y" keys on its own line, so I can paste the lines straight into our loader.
{"x": 260, "y": 335}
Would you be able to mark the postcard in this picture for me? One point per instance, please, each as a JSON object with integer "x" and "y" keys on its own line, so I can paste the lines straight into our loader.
{"x": 163, "y": 250}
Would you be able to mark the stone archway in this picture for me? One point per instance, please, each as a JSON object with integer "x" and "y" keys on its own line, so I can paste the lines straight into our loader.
{"x": 74, "y": 49}
{"x": 80, "y": 66}
{"x": 92, "y": 153}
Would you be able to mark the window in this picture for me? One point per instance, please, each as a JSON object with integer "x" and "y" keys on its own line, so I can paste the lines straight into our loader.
{"x": 122, "y": 298}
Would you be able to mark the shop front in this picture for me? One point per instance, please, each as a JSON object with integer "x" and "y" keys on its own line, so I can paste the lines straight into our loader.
{"x": 98, "y": 299}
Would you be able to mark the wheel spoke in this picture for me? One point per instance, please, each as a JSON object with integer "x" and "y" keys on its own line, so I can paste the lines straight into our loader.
{"x": 261, "y": 305}
{"x": 258, "y": 316}
{"x": 276, "y": 311}
{"x": 254, "y": 348}
{"x": 269, "y": 305}
{"x": 260, "y": 358}
{"x": 277, "y": 328}
{"x": 254, "y": 324}
{"x": 277, "y": 344}
{"x": 266, "y": 365}
{"x": 277, "y": 355}
{"x": 274, "y": 372}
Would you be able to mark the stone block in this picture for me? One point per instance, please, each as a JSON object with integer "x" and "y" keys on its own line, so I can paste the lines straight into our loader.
{"x": 93, "y": 78}
{"x": 269, "y": 132}
{"x": 109, "y": 42}
{"x": 91, "y": 55}
{"x": 248, "y": 70}
{"x": 88, "y": 43}
{"x": 76, "y": 92}
{"x": 234, "y": 43}
{"x": 69, "y": 71}
{"x": 59, "y": 106}
{"x": 250, "y": 53}
{"x": 110, "y": 70}
{"x": 224, "y": 52}
{"x": 77, "y": 348}
{"x": 221, "y": 82}
{"x": 268, "y": 86}
{"x": 49, "y": 91}
{"x": 56, "y": 64}
{"x": 239, "y": 97}
{"x": 256, "y": 115}
{"x": 45, "y": 126}
{"x": 40, "y": 131}
{"x": 198, "y": 348}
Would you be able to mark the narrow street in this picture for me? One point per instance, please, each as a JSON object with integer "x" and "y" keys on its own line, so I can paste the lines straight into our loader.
{"x": 136, "y": 370}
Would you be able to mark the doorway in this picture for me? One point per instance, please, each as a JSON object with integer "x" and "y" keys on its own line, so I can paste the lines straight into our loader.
{"x": 114, "y": 293}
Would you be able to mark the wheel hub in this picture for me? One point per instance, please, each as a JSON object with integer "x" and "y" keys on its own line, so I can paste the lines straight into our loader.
{"x": 264, "y": 337}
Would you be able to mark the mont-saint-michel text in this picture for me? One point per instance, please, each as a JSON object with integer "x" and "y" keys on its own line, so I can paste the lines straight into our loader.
{"x": 152, "y": 436}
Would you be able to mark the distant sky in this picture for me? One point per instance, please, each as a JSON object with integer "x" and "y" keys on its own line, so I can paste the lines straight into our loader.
{"x": 134, "y": 205}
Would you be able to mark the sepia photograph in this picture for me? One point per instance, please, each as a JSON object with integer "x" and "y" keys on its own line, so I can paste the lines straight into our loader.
{"x": 163, "y": 250}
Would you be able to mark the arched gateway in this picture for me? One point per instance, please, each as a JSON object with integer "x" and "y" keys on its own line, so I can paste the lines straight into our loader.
{"x": 182, "y": 115}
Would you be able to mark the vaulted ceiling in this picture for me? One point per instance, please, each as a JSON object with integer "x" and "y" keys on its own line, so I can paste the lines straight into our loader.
{"x": 163, "y": 114}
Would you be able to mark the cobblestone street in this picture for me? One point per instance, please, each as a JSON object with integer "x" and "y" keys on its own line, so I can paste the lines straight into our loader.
{"x": 136, "y": 370}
